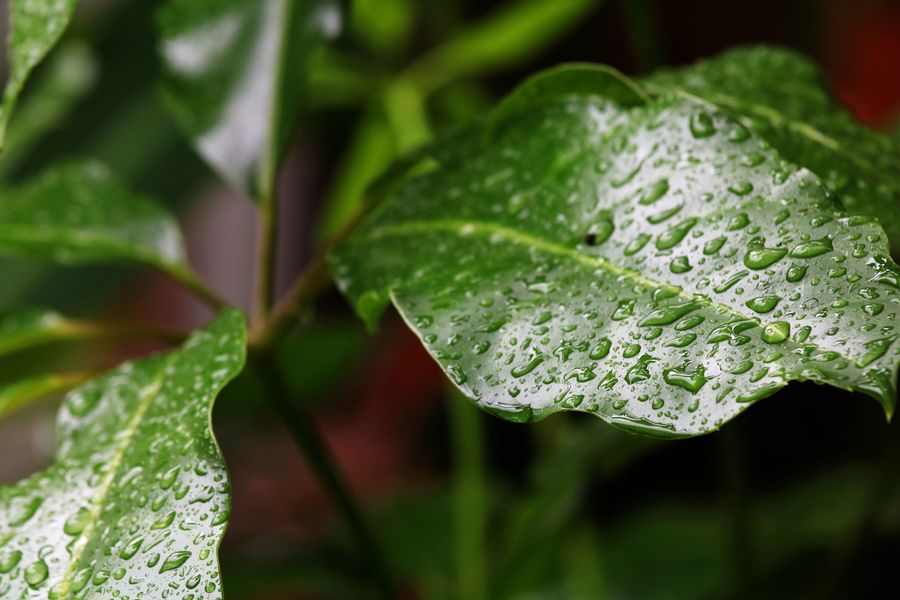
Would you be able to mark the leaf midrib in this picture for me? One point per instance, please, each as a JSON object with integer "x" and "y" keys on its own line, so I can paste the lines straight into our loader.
{"x": 487, "y": 229}
{"x": 147, "y": 395}
{"x": 84, "y": 240}
{"x": 776, "y": 117}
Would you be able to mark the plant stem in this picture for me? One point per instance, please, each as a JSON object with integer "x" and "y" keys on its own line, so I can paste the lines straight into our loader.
{"x": 91, "y": 330}
{"x": 470, "y": 501}
{"x": 303, "y": 428}
{"x": 733, "y": 476}
{"x": 198, "y": 287}
{"x": 268, "y": 245}
{"x": 642, "y": 35}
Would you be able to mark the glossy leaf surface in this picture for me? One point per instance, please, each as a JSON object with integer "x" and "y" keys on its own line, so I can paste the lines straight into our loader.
{"x": 235, "y": 77}
{"x": 80, "y": 213}
{"x": 657, "y": 266}
{"x": 784, "y": 98}
{"x": 137, "y": 500}
{"x": 34, "y": 28}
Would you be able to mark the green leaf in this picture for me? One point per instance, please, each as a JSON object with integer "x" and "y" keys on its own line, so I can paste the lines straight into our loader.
{"x": 80, "y": 213}
{"x": 235, "y": 77}
{"x": 784, "y": 98}
{"x": 34, "y": 28}
{"x": 137, "y": 500}
{"x": 657, "y": 266}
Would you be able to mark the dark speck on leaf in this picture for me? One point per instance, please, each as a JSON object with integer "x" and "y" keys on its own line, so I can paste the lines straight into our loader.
{"x": 590, "y": 239}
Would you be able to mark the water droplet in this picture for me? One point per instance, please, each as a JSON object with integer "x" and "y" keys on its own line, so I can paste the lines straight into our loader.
{"x": 776, "y": 332}
{"x": 741, "y": 189}
{"x": 624, "y": 309}
{"x": 174, "y": 560}
{"x": 77, "y": 522}
{"x": 737, "y": 222}
{"x": 763, "y": 304}
{"x": 9, "y": 560}
{"x": 640, "y": 371}
{"x": 795, "y": 273}
{"x": 36, "y": 573}
{"x": 601, "y": 349}
{"x": 131, "y": 548}
{"x": 760, "y": 257}
{"x": 692, "y": 381}
{"x": 528, "y": 367}
{"x": 22, "y": 510}
{"x": 601, "y": 231}
{"x": 713, "y": 245}
{"x": 636, "y": 245}
{"x": 702, "y": 125}
{"x": 731, "y": 332}
{"x": 875, "y": 349}
{"x": 671, "y": 237}
{"x": 667, "y": 315}
{"x": 655, "y": 192}
{"x": 681, "y": 341}
{"x": 730, "y": 282}
{"x": 680, "y": 264}
{"x": 811, "y": 248}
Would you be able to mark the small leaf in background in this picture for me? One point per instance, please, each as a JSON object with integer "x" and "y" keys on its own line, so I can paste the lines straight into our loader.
{"x": 235, "y": 77}
{"x": 783, "y": 96}
{"x": 16, "y": 395}
{"x": 80, "y": 213}
{"x": 658, "y": 266}
{"x": 509, "y": 36}
{"x": 138, "y": 499}
{"x": 34, "y": 28}
{"x": 29, "y": 327}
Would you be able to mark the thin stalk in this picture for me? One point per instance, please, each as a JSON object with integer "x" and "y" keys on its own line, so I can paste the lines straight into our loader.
{"x": 470, "y": 498}
{"x": 22, "y": 393}
{"x": 94, "y": 330}
{"x": 268, "y": 179}
{"x": 741, "y": 544}
{"x": 314, "y": 279}
{"x": 268, "y": 245}
{"x": 192, "y": 283}
{"x": 642, "y": 34}
{"x": 302, "y": 427}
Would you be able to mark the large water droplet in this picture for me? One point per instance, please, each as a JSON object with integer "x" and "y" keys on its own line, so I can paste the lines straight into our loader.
{"x": 776, "y": 332}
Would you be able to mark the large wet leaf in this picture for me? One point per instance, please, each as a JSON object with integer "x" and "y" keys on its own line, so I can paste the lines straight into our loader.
{"x": 658, "y": 266}
{"x": 137, "y": 500}
{"x": 784, "y": 98}
{"x": 34, "y": 28}
{"x": 80, "y": 213}
{"x": 235, "y": 76}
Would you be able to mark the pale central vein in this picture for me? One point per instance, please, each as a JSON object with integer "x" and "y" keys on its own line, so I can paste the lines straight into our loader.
{"x": 145, "y": 399}
{"x": 491, "y": 230}
{"x": 774, "y": 116}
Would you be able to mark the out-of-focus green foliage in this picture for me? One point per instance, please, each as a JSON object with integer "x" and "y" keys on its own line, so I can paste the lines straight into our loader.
{"x": 34, "y": 28}
{"x": 235, "y": 78}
